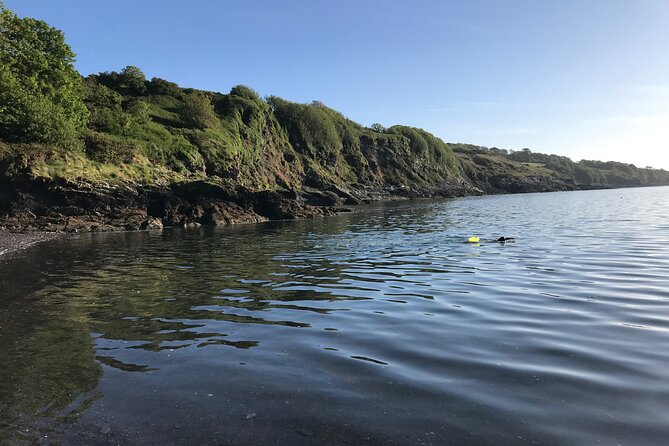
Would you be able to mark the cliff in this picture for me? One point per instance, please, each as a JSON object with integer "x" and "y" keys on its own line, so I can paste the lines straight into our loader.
{"x": 163, "y": 155}
{"x": 117, "y": 151}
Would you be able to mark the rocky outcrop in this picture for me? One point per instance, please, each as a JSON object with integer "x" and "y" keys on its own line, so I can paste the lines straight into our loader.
{"x": 48, "y": 205}
{"x": 38, "y": 204}
{"x": 45, "y": 205}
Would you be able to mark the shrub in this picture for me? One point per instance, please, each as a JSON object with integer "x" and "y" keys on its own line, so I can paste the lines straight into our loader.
{"x": 244, "y": 92}
{"x": 197, "y": 111}
{"x": 163, "y": 87}
{"x": 104, "y": 105}
{"x": 107, "y": 149}
{"x": 98, "y": 95}
{"x": 139, "y": 110}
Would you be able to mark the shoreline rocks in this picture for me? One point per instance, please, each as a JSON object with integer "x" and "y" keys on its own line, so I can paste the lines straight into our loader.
{"x": 28, "y": 205}
{"x": 43, "y": 205}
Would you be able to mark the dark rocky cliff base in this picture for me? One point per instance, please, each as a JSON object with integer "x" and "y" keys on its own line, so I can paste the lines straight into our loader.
{"x": 28, "y": 204}
{"x": 41, "y": 205}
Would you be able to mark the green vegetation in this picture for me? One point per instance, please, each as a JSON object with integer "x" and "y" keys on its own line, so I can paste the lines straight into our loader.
{"x": 40, "y": 91}
{"x": 119, "y": 126}
{"x": 336, "y": 149}
{"x": 500, "y": 169}
{"x": 197, "y": 111}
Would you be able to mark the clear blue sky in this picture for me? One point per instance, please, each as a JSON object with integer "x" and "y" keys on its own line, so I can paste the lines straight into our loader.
{"x": 582, "y": 78}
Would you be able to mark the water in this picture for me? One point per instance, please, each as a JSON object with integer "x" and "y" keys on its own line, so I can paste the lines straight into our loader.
{"x": 375, "y": 328}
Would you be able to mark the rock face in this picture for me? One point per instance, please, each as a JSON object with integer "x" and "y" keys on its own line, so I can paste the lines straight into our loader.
{"x": 37, "y": 204}
{"x": 30, "y": 204}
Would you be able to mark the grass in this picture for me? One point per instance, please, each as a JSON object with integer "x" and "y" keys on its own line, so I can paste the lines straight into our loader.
{"x": 77, "y": 167}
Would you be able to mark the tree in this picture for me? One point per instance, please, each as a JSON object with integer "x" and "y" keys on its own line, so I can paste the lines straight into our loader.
{"x": 197, "y": 111}
{"x": 104, "y": 105}
{"x": 163, "y": 87}
{"x": 130, "y": 80}
{"x": 133, "y": 80}
{"x": 378, "y": 128}
{"x": 41, "y": 97}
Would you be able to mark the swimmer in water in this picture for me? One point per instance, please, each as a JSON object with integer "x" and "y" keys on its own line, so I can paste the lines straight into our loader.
{"x": 505, "y": 239}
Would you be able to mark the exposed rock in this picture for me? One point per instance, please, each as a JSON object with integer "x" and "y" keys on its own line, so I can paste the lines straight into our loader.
{"x": 56, "y": 205}
{"x": 75, "y": 224}
{"x": 321, "y": 198}
{"x": 152, "y": 223}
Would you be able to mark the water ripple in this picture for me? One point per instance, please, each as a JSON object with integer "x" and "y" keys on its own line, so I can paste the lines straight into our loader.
{"x": 382, "y": 321}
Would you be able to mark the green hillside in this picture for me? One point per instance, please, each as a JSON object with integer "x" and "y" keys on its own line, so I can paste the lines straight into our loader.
{"x": 122, "y": 127}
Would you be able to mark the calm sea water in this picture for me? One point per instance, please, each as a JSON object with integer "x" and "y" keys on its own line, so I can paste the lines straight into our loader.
{"x": 378, "y": 328}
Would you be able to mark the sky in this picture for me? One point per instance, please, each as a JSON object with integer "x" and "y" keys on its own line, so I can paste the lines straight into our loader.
{"x": 585, "y": 79}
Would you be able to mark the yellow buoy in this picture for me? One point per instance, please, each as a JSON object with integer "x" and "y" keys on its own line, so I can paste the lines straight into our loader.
{"x": 473, "y": 239}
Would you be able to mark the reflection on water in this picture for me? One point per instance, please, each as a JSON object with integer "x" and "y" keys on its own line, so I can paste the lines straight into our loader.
{"x": 380, "y": 327}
